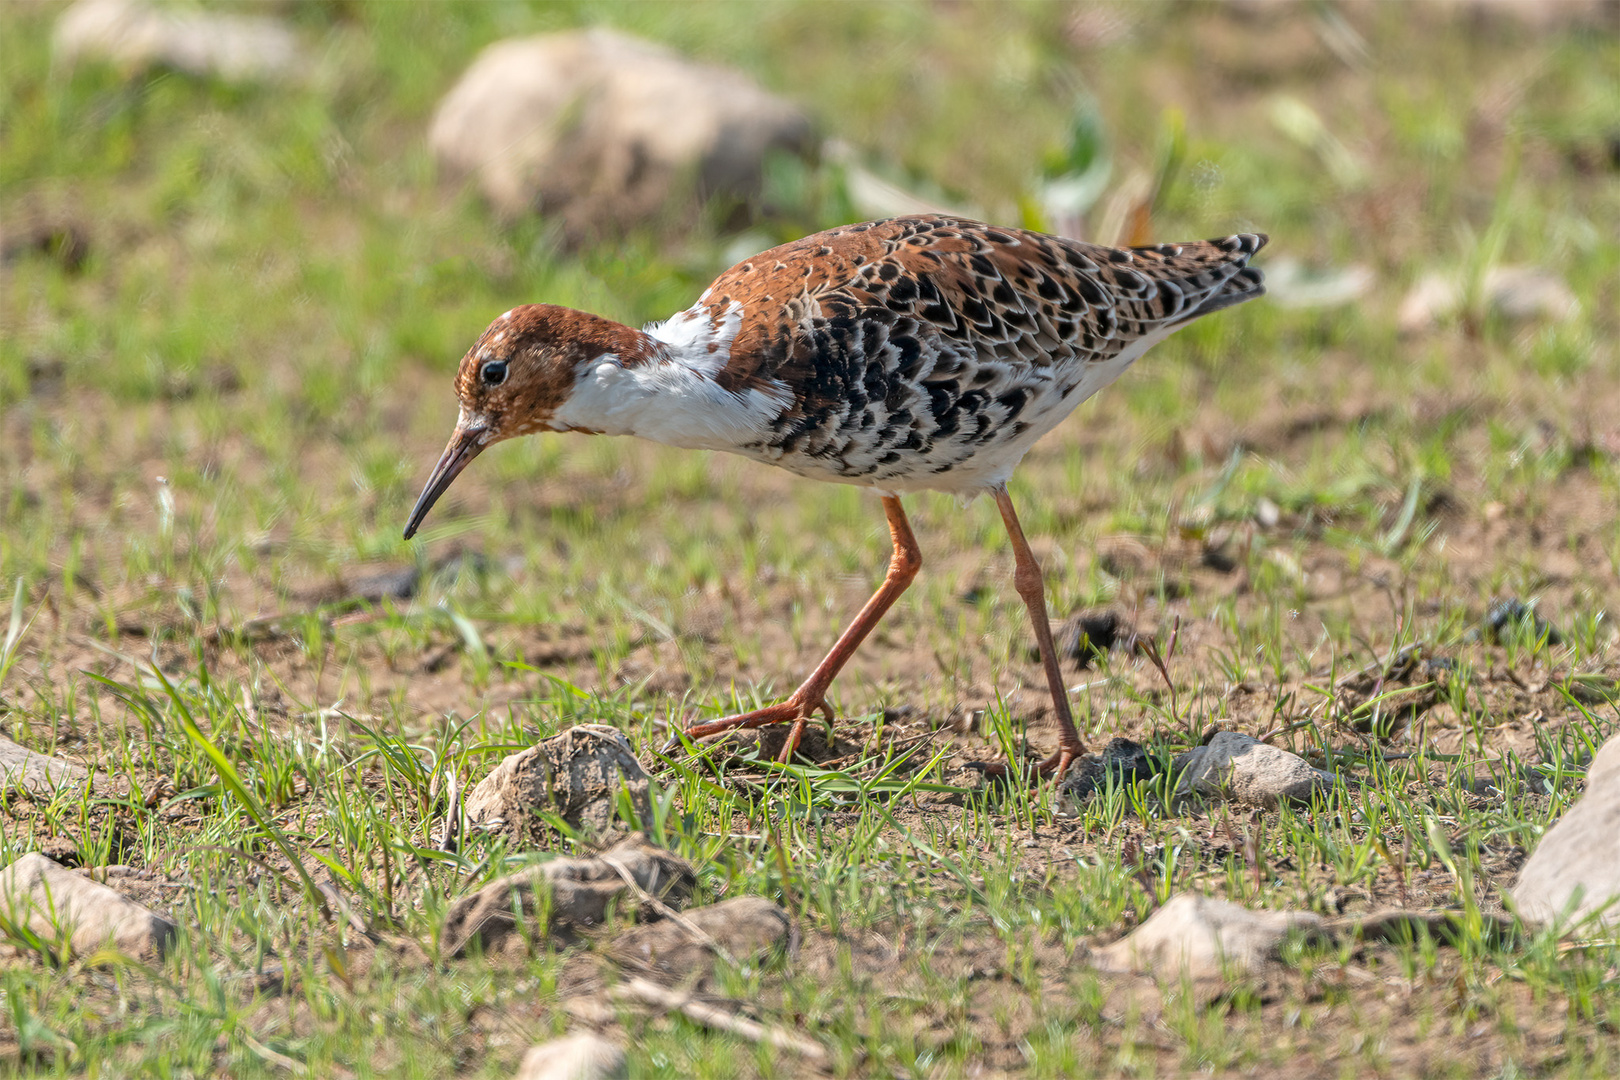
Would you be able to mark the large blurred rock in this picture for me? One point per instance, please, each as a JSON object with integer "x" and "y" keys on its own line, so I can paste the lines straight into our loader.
{"x": 577, "y": 1057}
{"x": 604, "y": 131}
{"x": 1199, "y": 936}
{"x": 135, "y": 36}
{"x": 747, "y": 928}
{"x": 1575, "y": 870}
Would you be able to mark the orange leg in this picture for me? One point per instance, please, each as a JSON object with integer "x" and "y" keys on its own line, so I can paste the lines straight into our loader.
{"x": 810, "y": 697}
{"x": 1027, "y": 579}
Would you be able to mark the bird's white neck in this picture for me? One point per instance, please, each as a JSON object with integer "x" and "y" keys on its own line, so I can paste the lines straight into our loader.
{"x": 667, "y": 391}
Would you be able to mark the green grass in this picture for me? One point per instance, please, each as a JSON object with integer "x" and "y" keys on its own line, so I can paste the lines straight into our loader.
{"x": 278, "y": 287}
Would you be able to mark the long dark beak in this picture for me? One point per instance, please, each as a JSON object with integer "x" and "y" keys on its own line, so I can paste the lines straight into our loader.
{"x": 465, "y": 444}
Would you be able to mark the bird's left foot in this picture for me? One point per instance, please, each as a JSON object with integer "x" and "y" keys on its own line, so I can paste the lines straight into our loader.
{"x": 1053, "y": 768}
{"x": 796, "y": 710}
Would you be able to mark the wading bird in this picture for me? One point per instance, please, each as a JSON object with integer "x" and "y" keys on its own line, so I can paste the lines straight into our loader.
{"x": 918, "y": 353}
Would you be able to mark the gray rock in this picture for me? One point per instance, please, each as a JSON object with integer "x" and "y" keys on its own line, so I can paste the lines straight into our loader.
{"x": 577, "y": 774}
{"x": 1522, "y": 293}
{"x": 136, "y": 36}
{"x": 1196, "y": 936}
{"x": 1240, "y": 767}
{"x": 1517, "y": 293}
{"x": 566, "y": 896}
{"x": 62, "y": 907}
{"x": 1510, "y": 619}
{"x": 1292, "y": 284}
{"x": 1542, "y": 16}
{"x": 576, "y": 1057}
{"x": 604, "y": 131}
{"x": 1121, "y": 762}
{"x": 1433, "y": 298}
{"x": 1087, "y": 635}
{"x": 37, "y": 774}
{"x": 748, "y": 929}
{"x": 1575, "y": 870}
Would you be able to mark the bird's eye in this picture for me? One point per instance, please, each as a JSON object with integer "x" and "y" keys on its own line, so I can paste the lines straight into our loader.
{"x": 493, "y": 373}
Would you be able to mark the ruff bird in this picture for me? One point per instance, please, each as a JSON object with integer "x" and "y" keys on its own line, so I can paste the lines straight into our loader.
{"x": 914, "y": 354}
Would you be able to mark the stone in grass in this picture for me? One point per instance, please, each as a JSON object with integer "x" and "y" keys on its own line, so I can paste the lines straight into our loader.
{"x": 565, "y": 896}
{"x": 1240, "y": 767}
{"x": 601, "y": 130}
{"x": 575, "y": 1057}
{"x": 37, "y": 774}
{"x": 1121, "y": 762}
{"x": 578, "y": 775}
{"x": 1091, "y": 634}
{"x": 136, "y": 36}
{"x": 1515, "y": 293}
{"x": 58, "y": 905}
{"x": 1575, "y": 870}
{"x": 1510, "y": 619}
{"x": 747, "y": 930}
{"x": 1198, "y": 937}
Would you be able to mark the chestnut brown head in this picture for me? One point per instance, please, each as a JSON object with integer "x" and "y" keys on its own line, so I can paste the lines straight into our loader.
{"x": 513, "y": 380}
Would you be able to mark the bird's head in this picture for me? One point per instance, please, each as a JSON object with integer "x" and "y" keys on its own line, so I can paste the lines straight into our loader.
{"x": 513, "y": 380}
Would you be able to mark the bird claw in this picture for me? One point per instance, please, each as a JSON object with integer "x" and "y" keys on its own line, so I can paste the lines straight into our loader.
{"x": 1053, "y": 768}
{"x": 795, "y": 710}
